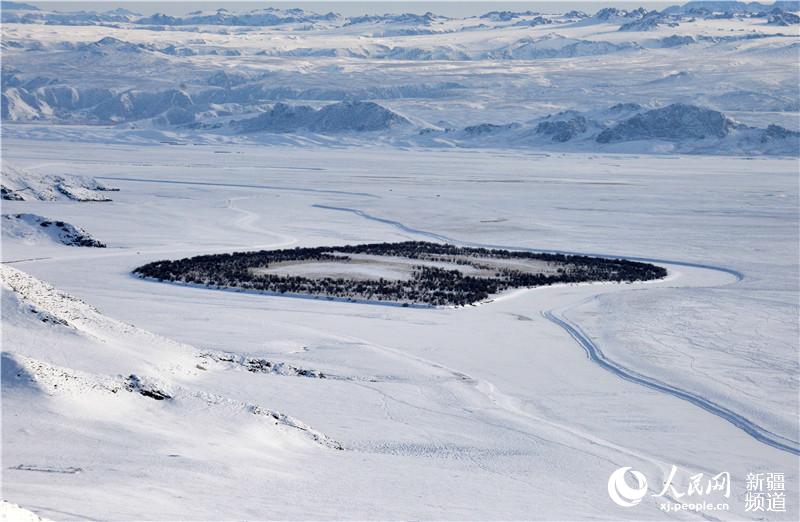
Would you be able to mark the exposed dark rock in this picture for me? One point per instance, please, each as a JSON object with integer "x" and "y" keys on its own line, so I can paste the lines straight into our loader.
{"x": 134, "y": 384}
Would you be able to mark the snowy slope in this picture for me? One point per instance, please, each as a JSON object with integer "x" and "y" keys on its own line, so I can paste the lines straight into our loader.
{"x": 125, "y": 359}
{"x": 32, "y": 229}
{"x": 22, "y": 185}
{"x": 11, "y": 511}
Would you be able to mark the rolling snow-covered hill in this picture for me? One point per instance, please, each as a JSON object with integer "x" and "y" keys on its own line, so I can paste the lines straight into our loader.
{"x": 119, "y": 363}
{"x": 305, "y": 75}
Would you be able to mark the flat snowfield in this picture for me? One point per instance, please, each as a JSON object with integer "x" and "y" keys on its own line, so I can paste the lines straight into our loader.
{"x": 130, "y": 399}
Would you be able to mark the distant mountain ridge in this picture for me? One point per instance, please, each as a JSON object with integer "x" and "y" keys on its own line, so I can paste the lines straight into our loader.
{"x": 13, "y": 6}
{"x": 16, "y": 12}
{"x": 724, "y": 6}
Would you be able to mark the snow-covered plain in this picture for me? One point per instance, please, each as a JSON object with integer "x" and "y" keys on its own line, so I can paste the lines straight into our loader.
{"x": 130, "y": 399}
{"x": 485, "y": 412}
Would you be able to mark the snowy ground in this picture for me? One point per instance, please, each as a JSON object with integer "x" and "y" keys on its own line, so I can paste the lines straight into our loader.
{"x": 488, "y": 412}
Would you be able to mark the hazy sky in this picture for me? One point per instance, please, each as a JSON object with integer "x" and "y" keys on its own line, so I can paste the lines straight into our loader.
{"x": 446, "y": 7}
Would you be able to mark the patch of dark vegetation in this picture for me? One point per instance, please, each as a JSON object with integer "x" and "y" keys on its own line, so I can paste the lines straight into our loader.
{"x": 427, "y": 284}
{"x": 258, "y": 365}
{"x": 134, "y": 384}
{"x": 265, "y": 366}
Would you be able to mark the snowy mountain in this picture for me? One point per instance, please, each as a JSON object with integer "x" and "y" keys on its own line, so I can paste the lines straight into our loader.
{"x": 160, "y": 77}
{"x": 614, "y": 14}
{"x": 257, "y": 17}
{"x": 783, "y": 18}
{"x": 13, "y": 6}
{"x": 556, "y": 46}
{"x": 23, "y": 15}
{"x": 333, "y": 118}
{"x": 564, "y": 127}
{"x": 629, "y": 127}
{"x": 401, "y": 19}
{"x": 648, "y": 22}
{"x": 506, "y": 16}
{"x": 676, "y": 121}
{"x": 728, "y": 7}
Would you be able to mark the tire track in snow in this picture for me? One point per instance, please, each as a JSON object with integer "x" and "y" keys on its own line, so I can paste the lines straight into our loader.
{"x": 597, "y": 356}
{"x": 594, "y": 353}
{"x": 249, "y": 219}
{"x": 502, "y": 401}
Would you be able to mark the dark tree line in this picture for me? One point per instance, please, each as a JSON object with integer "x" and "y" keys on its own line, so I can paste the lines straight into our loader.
{"x": 427, "y": 285}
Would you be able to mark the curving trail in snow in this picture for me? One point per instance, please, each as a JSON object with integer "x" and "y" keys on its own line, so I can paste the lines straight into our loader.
{"x": 242, "y": 185}
{"x": 503, "y": 401}
{"x": 594, "y": 353}
{"x": 597, "y": 356}
{"x": 432, "y": 235}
